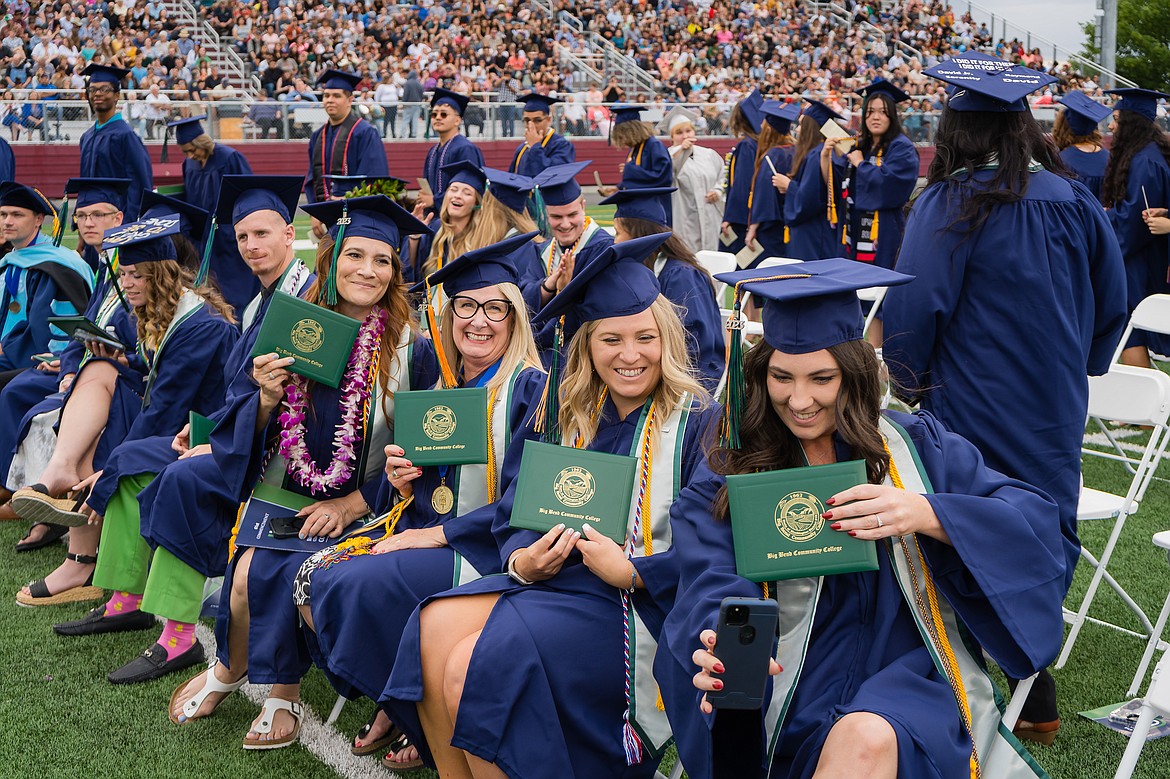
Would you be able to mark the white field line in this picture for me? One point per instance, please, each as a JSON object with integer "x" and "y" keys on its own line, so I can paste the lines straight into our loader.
{"x": 323, "y": 741}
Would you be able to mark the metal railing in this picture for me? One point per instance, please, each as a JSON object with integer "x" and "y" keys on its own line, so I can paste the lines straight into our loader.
{"x": 839, "y": 14}
{"x": 631, "y": 77}
{"x": 223, "y": 56}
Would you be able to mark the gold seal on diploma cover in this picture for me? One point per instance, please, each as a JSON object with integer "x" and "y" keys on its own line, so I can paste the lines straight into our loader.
{"x": 574, "y": 486}
{"x": 439, "y": 422}
{"x": 307, "y": 335}
{"x": 442, "y": 499}
{"x": 798, "y": 516}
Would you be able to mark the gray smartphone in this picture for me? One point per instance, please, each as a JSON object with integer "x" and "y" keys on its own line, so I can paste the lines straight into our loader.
{"x": 744, "y": 641}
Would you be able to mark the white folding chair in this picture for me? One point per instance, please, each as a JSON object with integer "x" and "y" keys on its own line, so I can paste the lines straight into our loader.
{"x": 1152, "y": 315}
{"x": 1138, "y": 396}
{"x": 874, "y": 295}
{"x": 1161, "y": 540}
{"x": 717, "y": 262}
{"x": 1156, "y": 702}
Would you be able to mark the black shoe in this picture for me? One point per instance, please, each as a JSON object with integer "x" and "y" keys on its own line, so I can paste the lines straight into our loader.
{"x": 96, "y": 622}
{"x": 153, "y": 664}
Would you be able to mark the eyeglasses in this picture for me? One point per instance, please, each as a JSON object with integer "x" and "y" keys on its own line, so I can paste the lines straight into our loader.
{"x": 494, "y": 310}
{"x": 439, "y": 114}
{"x": 92, "y": 216}
{"x": 100, "y": 91}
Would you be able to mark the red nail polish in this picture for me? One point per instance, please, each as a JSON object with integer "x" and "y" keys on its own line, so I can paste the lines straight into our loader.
{"x": 852, "y": 532}
{"x": 831, "y": 501}
{"x": 718, "y": 685}
{"x": 827, "y": 515}
{"x": 836, "y": 525}
{"x": 718, "y": 668}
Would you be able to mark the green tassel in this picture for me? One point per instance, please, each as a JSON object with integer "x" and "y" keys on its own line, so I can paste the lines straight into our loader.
{"x": 733, "y": 393}
{"x": 114, "y": 282}
{"x": 331, "y": 277}
{"x": 62, "y": 220}
{"x": 205, "y": 263}
{"x": 536, "y": 210}
{"x": 552, "y": 406}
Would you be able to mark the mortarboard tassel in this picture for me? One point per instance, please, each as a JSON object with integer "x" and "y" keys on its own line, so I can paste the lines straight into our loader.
{"x": 59, "y": 222}
{"x": 535, "y": 204}
{"x": 331, "y": 277}
{"x": 205, "y": 263}
{"x": 112, "y": 264}
{"x": 445, "y": 371}
{"x": 547, "y": 412}
{"x": 734, "y": 389}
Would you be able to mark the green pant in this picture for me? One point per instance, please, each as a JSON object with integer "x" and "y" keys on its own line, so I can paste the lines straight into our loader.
{"x": 170, "y": 588}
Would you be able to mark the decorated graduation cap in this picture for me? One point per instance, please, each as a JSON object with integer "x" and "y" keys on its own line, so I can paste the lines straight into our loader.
{"x": 557, "y": 184}
{"x": 642, "y": 203}
{"x": 339, "y": 79}
{"x": 819, "y": 112}
{"x": 464, "y": 172}
{"x": 780, "y": 115}
{"x": 615, "y": 283}
{"x": 147, "y": 240}
{"x": 447, "y": 97}
{"x": 1082, "y": 114}
{"x": 187, "y": 130}
{"x": 882, "y": 87}
{"x": 374, "y": 216}
{"x": 91, "y": 191}
{"x": 511, "y": 189}
{"x": 1140, "y": 101}
{"x": 808, "y": 306}
{"x": 989, "y": 84}
{"x": 674, "y": 117}
{"x": 627, "y": 112}
{"x": 534, "y": 101}
{"x": 751, "y": 107}
{"x": 105, "y": 74}
{"x": 494, "y": 264}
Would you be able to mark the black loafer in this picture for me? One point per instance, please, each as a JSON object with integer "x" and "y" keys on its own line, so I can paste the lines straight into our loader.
{"x": 96, "y": 622}
{"x": 153, "y": 664}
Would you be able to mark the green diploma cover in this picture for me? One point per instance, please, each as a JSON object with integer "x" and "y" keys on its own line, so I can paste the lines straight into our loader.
{"x": 778, "y": 530}
{"x": 574, "y": 486}
{"x": 442, "y": 427}
{"x": 320, "y": 339}
{"x": 201, "y": 428}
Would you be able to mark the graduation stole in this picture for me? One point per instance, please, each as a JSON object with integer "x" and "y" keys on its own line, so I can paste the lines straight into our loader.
{"x": 337, "y": 156}
{"x": 977, "y": 701}
{"x": 868, "y": 219}
{"x": 554, "y": 254}
{"x": 524, "y": 148}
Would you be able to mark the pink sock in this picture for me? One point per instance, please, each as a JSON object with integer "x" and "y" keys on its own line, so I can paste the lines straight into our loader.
{"x": 177, "y": 638}
{"x": 122, "y": 603}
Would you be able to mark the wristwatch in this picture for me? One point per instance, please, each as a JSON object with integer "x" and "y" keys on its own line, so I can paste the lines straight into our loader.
{"x": 552, "y": 291}
{"x": 516, "y": 577}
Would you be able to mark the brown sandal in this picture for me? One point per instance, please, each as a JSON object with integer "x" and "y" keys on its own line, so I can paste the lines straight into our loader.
{"x": 38, "y": 591}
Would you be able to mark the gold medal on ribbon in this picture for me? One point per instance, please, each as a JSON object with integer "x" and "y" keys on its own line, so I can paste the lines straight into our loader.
{"x": 14, "y": 307}
{"x": 442, "y": 499}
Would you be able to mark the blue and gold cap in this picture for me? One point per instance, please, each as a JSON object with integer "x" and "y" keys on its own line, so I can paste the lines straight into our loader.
{"x": 1140, "y": 101}
{"x": 511, "y": 189}
{"x": 464, "y": 172}
{"x": 880, "y": 86}
{"x": 752, "y": 109}
{"x": 557, "y": 184}
{"x": 187, "y": 130}
{"x": 1082, "y": 114}
{"x": 497, "y": 263}
{"x": 105, "y": 74}
{"x": 242, "y": 195}
{"x": 819, "y": 112}
{"x": 339, "y": 79}
{"x": 192, "y": 219}
{"x": 988, "y": 84}
{"x": 780, "y": 115}
{"x": 534, "y": 101}
{"x": 645, "y": 203}
{"x": 147, "y": 240}
{"x": 91, "y": 191}
{"x": 448, "y": 98}
{"x": 22, "y": 196}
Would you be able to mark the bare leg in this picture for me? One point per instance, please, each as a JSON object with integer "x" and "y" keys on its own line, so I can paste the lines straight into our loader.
{"x": 1136, "y": 355}
{"x": 307, "y": 616}
{"x": 70, "y": 573}
{"x": 874, "y": 334}
{"x": 453, "y": 682}
{"x": 283, "y": 721}
{"x": 82, "y": 421}
{"x": 444, "y": 624}
{"x": 860, "y": 745}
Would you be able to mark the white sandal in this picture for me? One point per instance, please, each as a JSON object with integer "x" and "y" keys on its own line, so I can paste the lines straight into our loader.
{"x": 268, "y": 716}
{"x": 211, "y": 684}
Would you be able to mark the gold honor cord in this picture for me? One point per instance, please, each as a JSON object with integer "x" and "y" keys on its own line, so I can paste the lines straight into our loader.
{"x": 493, "y": 478}
{"x": 873, "y": 230}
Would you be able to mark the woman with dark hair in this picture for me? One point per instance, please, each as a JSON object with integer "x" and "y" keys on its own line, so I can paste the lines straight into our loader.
{"x": 810, "y": 234}
{"x": 745, "y": 124}
{"x": 1076, "y": 135}
{"x": 883, "y": 668}
{"x": 1018, "y": 276}
{"x": 1136, "y": 178}
{"x": 875, "y": 179}
{"x": 773, "y": 155}
{"x": 638, "y": 214}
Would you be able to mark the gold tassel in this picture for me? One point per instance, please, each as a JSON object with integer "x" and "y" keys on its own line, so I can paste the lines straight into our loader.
{"x": 440, "y": 353}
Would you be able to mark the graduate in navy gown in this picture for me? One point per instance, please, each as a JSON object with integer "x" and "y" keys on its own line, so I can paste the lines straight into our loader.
{"x": 177, "y": 367}
{"x": 874, "y": 662}
{"x": 447, "y": 109}
{"x": 111, "y": 149}
{"x": 542, "y": 148}
{"x": 7, "y": 162}
{"x": 1077, "y": 134}
{"x": 745, "y": 124}
{"x": 346, "y": 145}
{"x": 206, "y": 164}
{"x": 98, "y": 207}
{"x": 260, "y": 210}
{"x": 438, "y": 533}
{"x": 637, "y": 214}
{"x": 773, "y": 159}
{"x": 1062, "y": 310}
{"x": 810, "y": 234}
{"x": 648, "y": 163}
{"x": 1136, "y": 179}
{"x": 325, "y": 444}
{"x": 875, "y": 179}
{"x": 536, "y": 657}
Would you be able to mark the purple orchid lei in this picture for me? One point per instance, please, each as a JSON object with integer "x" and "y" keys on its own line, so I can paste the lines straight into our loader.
{"x": 356, "y": 388}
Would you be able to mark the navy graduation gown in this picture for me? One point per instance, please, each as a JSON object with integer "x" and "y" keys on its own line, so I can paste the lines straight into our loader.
{"x": 365, "y": 156}
{"x": 648, "y": 165}
{"x": 458, "y": 149}
{"x": 1003, "y": 576}
{"x": 201, "y": 188}
{"x": 740, "y": 178}
{"x": 810, "y": 236}
{"x": 1088, "y": 167}
{"x": 555, "y": 149}
{"x": 548, "y": 666}
{"x": 1037, "y": 291}
{"x": 7, "y": 162}
{"x": 767, "y": 204}
{"x": 690, "y": 287}
{"x": 116, "y": 151}
{"x": 881, "y": 189}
